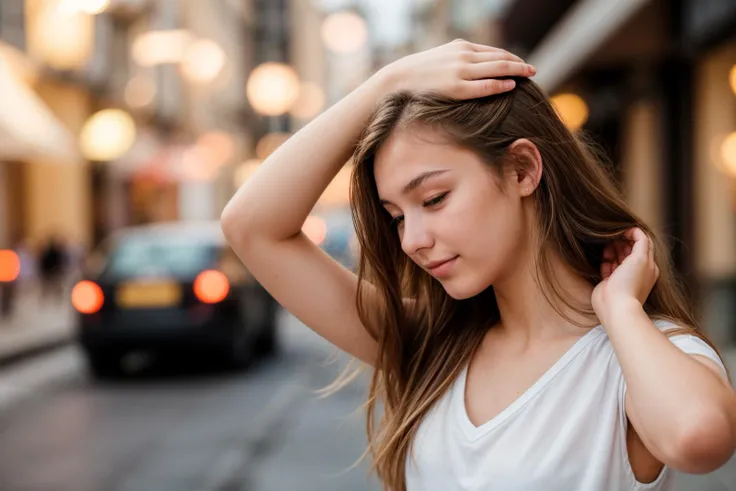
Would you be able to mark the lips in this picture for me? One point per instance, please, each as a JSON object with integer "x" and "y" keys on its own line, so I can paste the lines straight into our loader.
{"x": 440, "y": 266}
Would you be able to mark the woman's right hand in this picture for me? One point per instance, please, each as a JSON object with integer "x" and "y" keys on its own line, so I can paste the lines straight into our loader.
{"x": 458, "y": 69}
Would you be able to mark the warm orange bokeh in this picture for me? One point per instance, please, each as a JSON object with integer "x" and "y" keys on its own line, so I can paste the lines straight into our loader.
{"x": 9, "y": 265}
{"x": 211, "y": 286}
{"x": 315, "y": 229}
{"x": 87, "y": 297}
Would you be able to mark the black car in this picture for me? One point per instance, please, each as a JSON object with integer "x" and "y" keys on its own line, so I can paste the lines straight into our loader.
{"x": 172, "y": 288}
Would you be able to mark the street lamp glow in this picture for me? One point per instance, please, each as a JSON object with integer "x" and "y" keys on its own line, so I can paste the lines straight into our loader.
{"x": 63, "y": 40}
{"x": 107, "y": 135}
{"x": 732, "y": 79}
{"x": 344, "y": 32}
{"x": 572, "y": 110}
{"x": 92, "y": 7}
{"x": 310, "y": 102}
{"x": 728, "y": 154}
{"x": 160, "y": 47}
{"x": 203, "y": 61}
{"x": 272, "y": 88}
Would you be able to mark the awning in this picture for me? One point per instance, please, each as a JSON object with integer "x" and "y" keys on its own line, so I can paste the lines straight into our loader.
{"x": 28, "y": 128}
{"x": 583, "y": 30}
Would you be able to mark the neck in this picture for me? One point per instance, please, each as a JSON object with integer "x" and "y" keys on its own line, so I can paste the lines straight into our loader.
{"x": 528, "y": 316}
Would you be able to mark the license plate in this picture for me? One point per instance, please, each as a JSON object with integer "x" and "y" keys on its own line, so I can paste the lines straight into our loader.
{"x": 148, "y": 295}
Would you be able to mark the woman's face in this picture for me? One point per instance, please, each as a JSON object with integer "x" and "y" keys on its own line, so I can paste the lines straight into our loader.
{"x": 449, "y": 212}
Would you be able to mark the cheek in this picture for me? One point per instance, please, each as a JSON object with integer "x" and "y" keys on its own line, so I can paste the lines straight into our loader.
{"x": 492, "y": 235}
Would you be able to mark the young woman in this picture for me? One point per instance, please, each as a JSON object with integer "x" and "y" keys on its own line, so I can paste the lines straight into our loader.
{"x": 524, "y": 326}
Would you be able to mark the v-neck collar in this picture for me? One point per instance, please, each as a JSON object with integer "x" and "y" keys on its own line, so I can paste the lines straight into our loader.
{"x": 473, "y": 432}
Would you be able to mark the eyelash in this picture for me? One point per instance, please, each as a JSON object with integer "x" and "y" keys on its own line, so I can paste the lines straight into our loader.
{"x": 396, "y": 221}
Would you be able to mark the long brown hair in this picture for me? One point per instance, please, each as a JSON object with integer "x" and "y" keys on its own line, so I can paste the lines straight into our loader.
{"x": 425, "y": 337}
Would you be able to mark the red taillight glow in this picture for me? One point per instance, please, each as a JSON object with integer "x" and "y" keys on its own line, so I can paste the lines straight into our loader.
{"x": 211, "y": 286}
{"x": 9, "y": 265}
{"x": 87, "y": 297}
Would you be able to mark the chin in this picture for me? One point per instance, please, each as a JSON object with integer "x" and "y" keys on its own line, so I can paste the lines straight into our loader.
{"x": 463, "y": 288}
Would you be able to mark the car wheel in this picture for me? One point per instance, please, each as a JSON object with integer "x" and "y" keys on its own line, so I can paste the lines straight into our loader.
{"x": 104, "y": 366}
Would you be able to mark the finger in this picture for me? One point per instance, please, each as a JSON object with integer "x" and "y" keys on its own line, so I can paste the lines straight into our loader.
{"x": 482, "y": 88}
{"x": 481, "y": 56}
{"x": 641, "y": 242}
{"x": 651, "y": 255}
{"x": 620, "y": 248}
{"x": 483, "y": 47}
{"x": 495, "y": 69}
{"x": 609, "y": 253}
{"x": 606, "y": 269}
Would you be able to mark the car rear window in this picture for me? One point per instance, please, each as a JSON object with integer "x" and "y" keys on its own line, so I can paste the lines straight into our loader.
{"x": 159, "y": 256}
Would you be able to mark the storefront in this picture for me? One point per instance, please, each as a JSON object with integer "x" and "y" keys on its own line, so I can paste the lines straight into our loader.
{"x": 654, "y": 75}
{"x": 710, "y": 35}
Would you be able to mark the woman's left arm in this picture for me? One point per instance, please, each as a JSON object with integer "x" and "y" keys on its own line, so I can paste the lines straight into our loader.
{"x": 682, "y": 406}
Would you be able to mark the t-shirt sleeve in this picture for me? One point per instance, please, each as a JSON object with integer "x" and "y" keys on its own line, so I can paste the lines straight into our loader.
{"x": 692, "y": 345}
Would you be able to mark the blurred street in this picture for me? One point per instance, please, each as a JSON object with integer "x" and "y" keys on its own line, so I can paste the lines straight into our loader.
{"x": 263, "y": 429}
{"x": 260, "y": 430}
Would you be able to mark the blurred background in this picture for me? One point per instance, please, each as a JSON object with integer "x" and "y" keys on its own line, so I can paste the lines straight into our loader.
{"x": 127, "y": 125}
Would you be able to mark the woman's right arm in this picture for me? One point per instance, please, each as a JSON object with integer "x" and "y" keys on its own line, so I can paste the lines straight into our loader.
{"x": 263, "y": 221}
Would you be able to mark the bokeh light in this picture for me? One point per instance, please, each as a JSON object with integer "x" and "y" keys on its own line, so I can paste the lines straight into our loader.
{"x": 310, "y": 102}
{"x": 244, "y": 171}
{"x": 211, "y": 286}
{"x": 315, "y": 229}
{"x": 272, "y": 88}
{"x": 107, "y": 135}
{"x": 344, "y": 32}
{"x": 728, "y": 155}
{"x": 203, "y": 61}
{"x": 572, "y": 110}
{"x": 161, "y": 47}
{"x": 87, "y": 297}
{"x": 62, "y": 39}
{"x": 9, "y": 265}
{"x": 92, "y": 7}
{"x": 140, "y": 91}
{"x": 269, "y": 143}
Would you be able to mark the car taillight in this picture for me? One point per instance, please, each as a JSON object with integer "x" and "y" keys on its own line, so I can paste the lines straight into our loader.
{"x": 211, "y": 286}
{"x": 87, "y": 297}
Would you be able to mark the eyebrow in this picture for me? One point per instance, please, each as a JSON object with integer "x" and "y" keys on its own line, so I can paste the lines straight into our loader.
{"x": 418, "y": 181}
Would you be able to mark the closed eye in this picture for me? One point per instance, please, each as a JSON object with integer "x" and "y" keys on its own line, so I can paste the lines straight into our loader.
{"x": 436, "y": 200}
{"x": 397, "y": 220}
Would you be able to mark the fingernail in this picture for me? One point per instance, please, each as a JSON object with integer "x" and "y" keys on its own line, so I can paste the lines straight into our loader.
{"x": 532, "y": 69}
{"x": 509, "y": 84}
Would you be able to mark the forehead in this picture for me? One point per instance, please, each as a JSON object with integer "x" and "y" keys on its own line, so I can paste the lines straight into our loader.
{"x": 413, "y": 151}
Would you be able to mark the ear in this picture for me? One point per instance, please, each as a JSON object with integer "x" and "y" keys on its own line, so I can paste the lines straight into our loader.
{"x": 527, "y": 166}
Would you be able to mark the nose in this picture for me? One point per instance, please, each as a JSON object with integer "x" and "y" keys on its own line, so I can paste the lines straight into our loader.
{"x": 415, "y": 236}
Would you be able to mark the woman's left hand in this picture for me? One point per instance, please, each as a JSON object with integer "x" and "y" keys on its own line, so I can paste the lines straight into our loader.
{"x": 628, "y": 273}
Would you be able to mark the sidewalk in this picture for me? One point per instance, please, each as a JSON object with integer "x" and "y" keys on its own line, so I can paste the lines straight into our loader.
{"x": 35, "y": 324}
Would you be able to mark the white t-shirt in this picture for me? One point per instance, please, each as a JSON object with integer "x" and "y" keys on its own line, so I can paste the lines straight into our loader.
{"x": 566, "y": 433}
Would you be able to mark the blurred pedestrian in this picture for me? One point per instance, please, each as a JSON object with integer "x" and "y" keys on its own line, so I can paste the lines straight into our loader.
{"x": 525, "y": 326}
{"x": 28, "y": 265}
{"x": 52, "y": 267}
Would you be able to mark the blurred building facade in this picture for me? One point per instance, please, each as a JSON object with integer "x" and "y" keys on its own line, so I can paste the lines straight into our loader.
{"x": 654, "y": 85}
{"x": 169, "y": 78}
